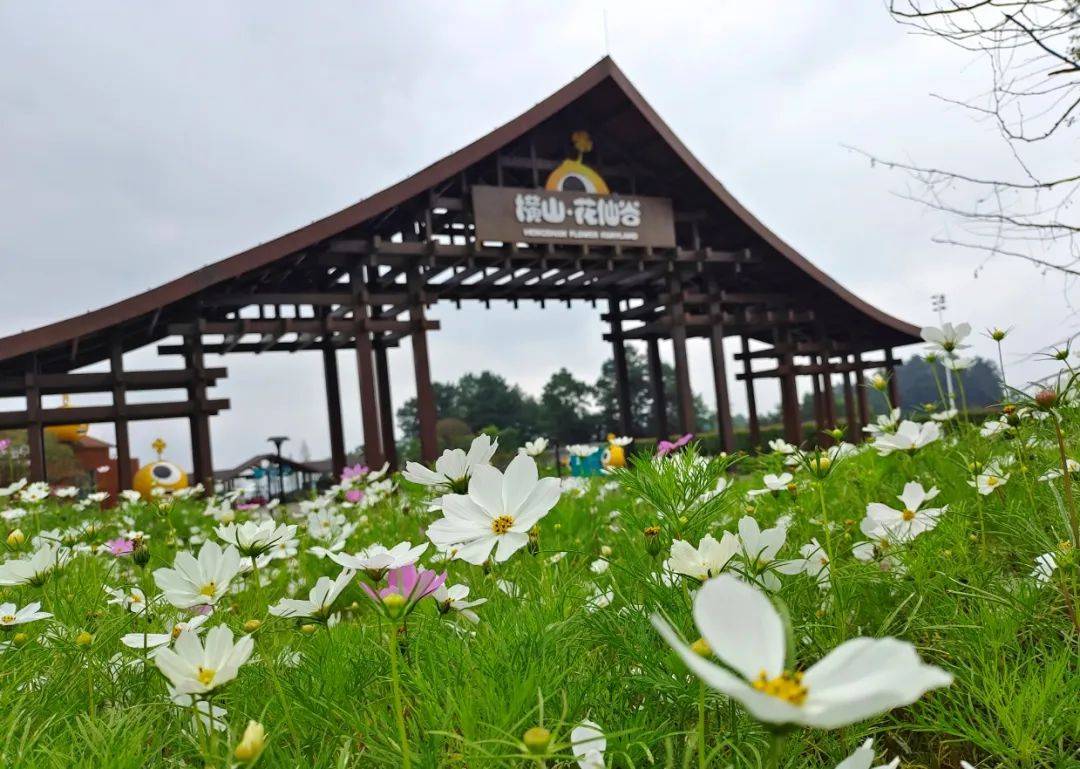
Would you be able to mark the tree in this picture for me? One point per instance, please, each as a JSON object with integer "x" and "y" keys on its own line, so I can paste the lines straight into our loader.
{"x": 981, "y": 384}
{"x": 566, "y": 410}
{"x": 445, "y": 405}
{"x": 1031, "y": 50}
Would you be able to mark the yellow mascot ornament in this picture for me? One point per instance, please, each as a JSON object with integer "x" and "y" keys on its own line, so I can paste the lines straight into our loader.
{"x": 615, "y": 453}
{"x": 67, "y": 433}
{"x": 574, "y": 175}
{"x": 159, "y": 474}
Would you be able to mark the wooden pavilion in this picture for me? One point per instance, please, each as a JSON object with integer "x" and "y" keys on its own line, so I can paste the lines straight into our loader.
{"x": 587, "y": 196}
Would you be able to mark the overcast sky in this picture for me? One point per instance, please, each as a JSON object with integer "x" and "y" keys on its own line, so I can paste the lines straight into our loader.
{"x": 143, "y": 140}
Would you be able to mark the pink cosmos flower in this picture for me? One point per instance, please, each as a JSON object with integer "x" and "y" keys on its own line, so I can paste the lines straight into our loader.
{"x": 247, "y": 505}
{"x": 355, "y": 471}
{"x": 663, "y": 448}
{"x": 4, "y": 445}
{"x": 354, "y": 495}
{"x": 120, "y": 546}
{"x": 408, "y": 582}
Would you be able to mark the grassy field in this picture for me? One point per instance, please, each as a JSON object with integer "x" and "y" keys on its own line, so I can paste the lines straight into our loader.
{"x": 566, "y": 630}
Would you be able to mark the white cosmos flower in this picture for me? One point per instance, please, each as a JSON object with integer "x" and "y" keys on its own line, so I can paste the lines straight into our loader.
{"x": 536, "y": 447}
{"x": 954, "y": 363}
{"x": 377, "y": 560}
{"x": 759, "y": 548}
{"x": 13, "y": 514}
{"x": 172, "y": 632}
{"x": 210, "y": 714}
{"x": 622, "y": 440}
{"x": 454, "y": 467}
{"x": 885, "y": 423}
{"x": 499, "y": 509}
{"x": 910, "y": 521}
{"x": 33, "y": 569}
{"x": 455, "y": 598}
{"x": 1045, "y": 566}
{"x": 989, "y": 480}
{"x": 774, "y": 484}
{"x": 707, "y": 560}
{"x": 199, "y": 582}
{"x": 944, "y": 416}
{"x": 320, "y": 598}
{"x": 813, "y": 561}
{"x": 948, "y": 338}
{"x": 780, "y": 446}
{"x": 130, "y": 496}
{"x": 863, "y": 757}
{"x": 861, "y": 678}
{"x": 134, "y": 600}
{"x": 1072, "y": 464}
{"x": 909, "y": 436}
{"x": 10, "y": 616}
{"x": 253, "y": 539}
{"x": 587, "y": 743}
{"x": 196, "y": 669}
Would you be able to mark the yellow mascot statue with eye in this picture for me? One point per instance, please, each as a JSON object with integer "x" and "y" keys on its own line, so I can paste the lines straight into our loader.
{"x": 67, "y": 433}
{"x": 615, "y": 453}
{"x": 159, "y": 474}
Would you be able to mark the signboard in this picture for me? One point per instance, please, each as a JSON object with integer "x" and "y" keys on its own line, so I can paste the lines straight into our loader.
{"x": 518, "y": 215}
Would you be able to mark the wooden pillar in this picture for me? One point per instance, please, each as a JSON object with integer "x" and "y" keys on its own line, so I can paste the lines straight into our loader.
{"x": 622, "y": 373}
{"x": 860, "y": 391}
{"x": 894, "y": 383}
{"x": 386, "y": 406}
{"x": 119, "y": 395}
{"x": 819, "y": 403}
{"x": 789, "y": 395}
{"x": 854, "y": 429}
{"x": 659, "y": 393}
{"x": 683, "y": 394}
{"x": 827, "y": 392}
{"x": 201, "y": 456}
{"x": 333, "y": 404}
{"x": 725, "y": 429}
{"x": 425, "y": 393}
{"x": 365, "y": 369}
{"x": 35, "y": 430}
{"x": 751, "y": 399}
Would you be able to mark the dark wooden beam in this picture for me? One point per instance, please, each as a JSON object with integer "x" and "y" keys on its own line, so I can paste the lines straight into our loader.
{"x": 751, "y": 398}
{"x": 333, "y": 405}
{"x": 119, "y": 395}
{"x": 659, "y": 393}
{"x": 622, "y": 372}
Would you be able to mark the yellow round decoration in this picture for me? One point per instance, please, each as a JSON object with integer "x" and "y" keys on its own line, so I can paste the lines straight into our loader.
{"x": 614, "y": 455}
{"x": 575, "y": 176}
{"x": 67, "y": 433}
{"x": 159, "y": 474}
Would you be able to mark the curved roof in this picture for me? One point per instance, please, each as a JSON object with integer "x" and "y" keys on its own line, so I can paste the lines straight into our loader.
{"x": 96, "y": 321}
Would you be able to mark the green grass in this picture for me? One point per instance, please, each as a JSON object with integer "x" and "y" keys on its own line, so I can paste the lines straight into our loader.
{"x": 965, "y": 600}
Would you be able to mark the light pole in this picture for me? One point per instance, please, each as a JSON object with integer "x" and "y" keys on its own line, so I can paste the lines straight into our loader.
{"x": 937, "y": 302}
{"x": 277, "y": 440}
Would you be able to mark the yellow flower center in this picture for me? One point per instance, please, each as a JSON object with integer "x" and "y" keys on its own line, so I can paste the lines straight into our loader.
{"x": 991, "y": 480}
{"x": 209, "y": 589}
{"x": 786, "y": 686}
{"x": 502, "y": 524}
{"x": 205, "y": 675}
{"x": 908, "y": 515}
{"x": 7, "y": 619}
{"x": 176, "y": 631}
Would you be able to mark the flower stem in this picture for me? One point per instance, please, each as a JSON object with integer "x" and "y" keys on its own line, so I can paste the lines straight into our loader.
{"x": 399, "y": 713}
{"x": 701, "y": 725}
{"x": 1074, "y": 521}
{"x": 776, "y": 750}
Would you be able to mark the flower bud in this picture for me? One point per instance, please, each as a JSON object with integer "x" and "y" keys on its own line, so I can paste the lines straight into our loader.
{"x": 701, "y": 648}
{"x": 652, "y": 540}
{"x": 837, "y": 434}
{"x": 20, "y": 639}
{"x": 84, "y": 639}
{"x": 252, "y": 625}
{"x": 879, "y": 383}
{"x": 997, "y": 334}
{"x": 307, "y": 629}
{"x": 1046, "y": 399}
{"x": 141, "y": 554}
{"x": 537, "y": 740}
{"x": 251, "y": 744}
{"x": 16, "y": 539}
{"x": 1062, "y": 354}
{"x": 534, "y": 540}
{"x": 605, "y": 550}
{"x": 394, "y": 604}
